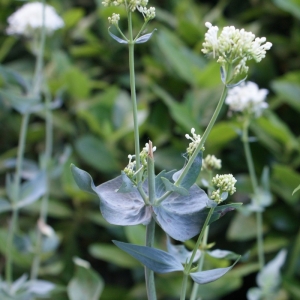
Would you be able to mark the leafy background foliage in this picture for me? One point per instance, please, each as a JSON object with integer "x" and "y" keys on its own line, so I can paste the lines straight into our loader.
{"x": 178, "y": 88}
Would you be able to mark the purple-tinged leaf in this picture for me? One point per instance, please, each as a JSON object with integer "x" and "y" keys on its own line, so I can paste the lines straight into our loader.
{"x": 157, "y": 260}
{"x": 122, "y": 208}
{"x": 83, "y": 180}
{"x": 182, "y": 217}
{"x": 180, "y": 252}
{"x": 121, "y": 41}
{"x": 127, "y": 185}
{"x": 203, "y": 277}
{"x": 144, "y": 38}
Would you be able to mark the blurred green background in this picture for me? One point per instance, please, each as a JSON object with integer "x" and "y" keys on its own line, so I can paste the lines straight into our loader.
{"x": 178, "y": 88}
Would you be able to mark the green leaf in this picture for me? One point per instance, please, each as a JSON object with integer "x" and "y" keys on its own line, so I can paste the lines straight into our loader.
{"x": 291, "y": 6}
{"x": 83, "y": 180}
{"x": 96, "y": 153}
{"x": 157, "y": 260}
{"x": 86, "y": 284}
{"x": 211, "y": 275}
{"x": 110, "y": 253}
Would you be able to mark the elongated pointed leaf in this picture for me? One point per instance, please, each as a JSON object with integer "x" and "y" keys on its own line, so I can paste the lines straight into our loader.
{"x": 122, "y": 208}
{"x": 83, "y": 180}
{"x": 144, "y": 38}
{"x": 193, "y": 173}
{"x": 4, "y": 205}
{"x": 160, "y": 187}
{"x": 173, "y": 188}
{"x": 210, "y": 275}
{"x": 32, "y": 190}
{"x": 180, "y": 252}
{"x": 182, "y": 217}
{"x": 157, "y": 260}
{"x": 296, "y": 189}
{"x": 121, "y": 41}
{"x": 222, "y": 254}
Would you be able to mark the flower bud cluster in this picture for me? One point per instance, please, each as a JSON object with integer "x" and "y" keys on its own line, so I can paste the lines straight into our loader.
{"x": 114, "y": 19}
{"x": 225, "y": 184}
{"x": 148, "y": 13}
{"x": 211, "y": 162}
{"x": 130, "y": 169}
{"x": 28, "y": 20}
{"x": 195, "y": 138}
{"x": 131, "y": 4}
{"x": 234, "y": 46}
{"x": 247, "y": 98}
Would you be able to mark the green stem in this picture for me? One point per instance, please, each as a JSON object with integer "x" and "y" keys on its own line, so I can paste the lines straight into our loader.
{"x": 133, "y": 96}
{"x": 44, "y": 205}
{"x": 150, "y": 229}
{"x": 201, "y": 262}
{"x": 16, "y": 195}
{"x": 254, "y": 182}
{"x": 187, "y": 268}
{"x": 201, "y": 144}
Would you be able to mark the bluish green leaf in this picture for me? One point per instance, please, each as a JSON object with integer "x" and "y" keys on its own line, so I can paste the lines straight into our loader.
{"x": 160, "y": 187}
{"x": 83, "y": 180}
{"x": 221, "y": 210}
{"x": 180, "y": 252}
{"x": 157, "y": 260}
{"x": 4, "y": 205}
{"x": 144, "y": 38}
{"x": 193, "y": 173}
{"x": 86, "y": 284}
{"x": 121, "y": 41}
{"x": 127, "y": 185}
{"x": 32, "y": 190}
{"x": 210, "y": 275}
{"x": 173, "y": 188}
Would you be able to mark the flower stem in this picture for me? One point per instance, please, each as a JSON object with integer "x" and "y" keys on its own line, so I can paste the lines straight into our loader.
{"x": 150, "y": 229}
{"x": 133, "y": 96}
{"x": 16, "y": 195}
{"x": 187, "y": 268}
{"x": 44, "y": 205}
{"x": 200, "y": 266}
{"x": 259, "y": 219}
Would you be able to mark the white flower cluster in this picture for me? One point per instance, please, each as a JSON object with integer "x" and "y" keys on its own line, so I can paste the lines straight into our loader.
{"x": 28, "y": 19}
{"x": 225, "y": 184}
{"x": 148, "y": 13}
{"x": 234, "y": 46}
{"x": 130, "y": 169}
{"x": 247, "y": 98}
{"x": 131, "y": 4}
{"x": 211, "y": 162}
{"x": 114, "y": 19}
{"x": 195, "y": 138}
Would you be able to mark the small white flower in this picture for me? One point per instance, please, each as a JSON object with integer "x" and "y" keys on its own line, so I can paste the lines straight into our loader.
{"x": 148, "y": 13}
{"x": 248, "y": 98}
{"x": 114, "y": 19}
{"x": 29, "y": 18}
{"x": 234, "y": 46}
{"x": 225, "y": 184}
{"x": 195, "y": 138}
{"x": 211, "y": 162}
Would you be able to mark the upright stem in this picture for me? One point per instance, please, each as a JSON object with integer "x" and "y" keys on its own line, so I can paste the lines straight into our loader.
{"x": 150, "y": 229}
{"x": 44, "y": 205}
{"x": 187, "y": 268}
{"x": 133, "y": 96}
{"x": 201, "y": 262}
{"x": 259, "y": 220}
